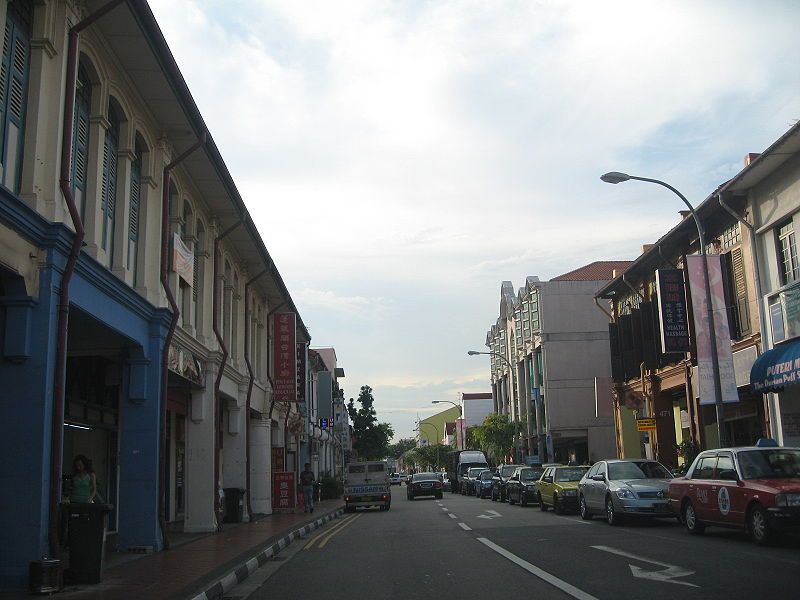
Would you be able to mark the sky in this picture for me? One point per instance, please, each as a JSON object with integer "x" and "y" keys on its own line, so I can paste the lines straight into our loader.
{"x": 402, "y": 158}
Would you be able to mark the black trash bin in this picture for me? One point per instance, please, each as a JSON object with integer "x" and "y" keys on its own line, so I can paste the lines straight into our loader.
{"x": 87, "y": 541}
{"x": 234, "y": 505}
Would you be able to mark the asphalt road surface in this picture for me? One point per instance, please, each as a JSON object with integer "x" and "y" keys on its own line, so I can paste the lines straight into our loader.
{"x": 462, "y": 547}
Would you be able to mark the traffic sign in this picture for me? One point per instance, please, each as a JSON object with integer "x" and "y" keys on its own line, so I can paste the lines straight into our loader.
{"x": 647, "y": 424}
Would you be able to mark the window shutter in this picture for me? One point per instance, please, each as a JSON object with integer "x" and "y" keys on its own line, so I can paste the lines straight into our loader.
{"x": 4, "y": 68}
{"x": 195, "y": 273}
{"x": 740, "y": 289}
{"x": 80, "y": 141}
{"x": 13, "y": 96}
{"x": 19, "y": 78}
{"x": 109, "y": 186}
{"x": 133, "y": 221}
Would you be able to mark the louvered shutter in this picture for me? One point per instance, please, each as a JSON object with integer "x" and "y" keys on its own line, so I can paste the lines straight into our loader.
{"x": 4, "y": 68}
{"x": 109, "y": 187}
{"x": 740, "y": 291}
{"x": 80, "y": 140}
{"x": 14, "y": 85}
{"x": 133, "y": 224}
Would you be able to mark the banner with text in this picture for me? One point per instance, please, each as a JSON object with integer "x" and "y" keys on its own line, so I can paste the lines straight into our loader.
{"x": 285, "y": 358}
{"x": 705, "y": 345}
{"x": 672, "y": 311}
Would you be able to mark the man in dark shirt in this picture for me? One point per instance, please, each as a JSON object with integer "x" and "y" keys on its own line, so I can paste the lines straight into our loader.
{"x": 307, "y": 485}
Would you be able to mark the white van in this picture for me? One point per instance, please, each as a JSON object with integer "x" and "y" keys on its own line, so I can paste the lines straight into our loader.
{"x": 367, "y": 484}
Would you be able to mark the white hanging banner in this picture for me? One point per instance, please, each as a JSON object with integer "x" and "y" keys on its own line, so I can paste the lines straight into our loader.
{"x": 182, "y": 259}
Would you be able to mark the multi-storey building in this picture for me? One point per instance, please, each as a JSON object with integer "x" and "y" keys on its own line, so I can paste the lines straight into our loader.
{"x": 118, "y": 215}
{"x": 548, "y": 348}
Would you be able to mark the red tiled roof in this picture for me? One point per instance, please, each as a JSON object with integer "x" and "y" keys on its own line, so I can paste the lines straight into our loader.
{"x": 478, "y": 396}
{"x": 599, "y": 270}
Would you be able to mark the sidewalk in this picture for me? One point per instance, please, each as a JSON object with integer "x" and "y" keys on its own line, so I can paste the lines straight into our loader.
{"x": 205, "y": 568}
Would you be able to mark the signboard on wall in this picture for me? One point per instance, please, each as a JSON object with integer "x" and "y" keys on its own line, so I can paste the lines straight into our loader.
{"x": 672, "y": 311}
{"x": 285, "y": 358}
{"x": 283, "y": 490}
{"x": 705, "y": 345}
{"x": 301, "y": 372}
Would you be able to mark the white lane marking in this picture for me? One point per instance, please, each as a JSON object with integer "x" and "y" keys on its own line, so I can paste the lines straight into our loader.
{"x": 452, "y": 516}
{"x": 445, "y": 509}
{"x": 493, "y": 514}
{"x": 667, "y": 575}
{"x": 465, "y": 527}
{"x": 540, "y": 573}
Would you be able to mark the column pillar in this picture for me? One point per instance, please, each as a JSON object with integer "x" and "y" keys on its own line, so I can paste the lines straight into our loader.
{"x": 200, "y": 492}
{"x": 260, "y": 458}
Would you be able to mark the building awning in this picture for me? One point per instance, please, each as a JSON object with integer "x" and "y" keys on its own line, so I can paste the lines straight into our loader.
{"x": 776, "y": 368}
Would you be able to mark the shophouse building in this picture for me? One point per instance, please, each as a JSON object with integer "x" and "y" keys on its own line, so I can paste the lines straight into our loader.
{"x": 548, "y": 348}
{"x": 137, "y": 298}
{"x": 769, "y": 188}
{"x": 650, "y": 382}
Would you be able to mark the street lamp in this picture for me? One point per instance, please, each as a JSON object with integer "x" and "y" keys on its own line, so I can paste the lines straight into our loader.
{"x": 460, "y": 414}
{"x": 617, "y": 177}
{"x": 510, "y": 373}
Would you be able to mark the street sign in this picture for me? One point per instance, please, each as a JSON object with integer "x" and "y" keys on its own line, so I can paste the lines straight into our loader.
{"x": 645, "y": 424}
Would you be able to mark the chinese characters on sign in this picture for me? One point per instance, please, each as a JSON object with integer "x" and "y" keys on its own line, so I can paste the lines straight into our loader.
{"x": 301, "y": 372}
{"x": 283, "y": 490}
{"x": 672, "y": 311}
{"x": 285, "y": 358}
{"x": 705, "y": 345}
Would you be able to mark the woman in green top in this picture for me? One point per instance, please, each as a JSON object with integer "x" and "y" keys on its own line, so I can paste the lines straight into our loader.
{"x": 84, "y": 482}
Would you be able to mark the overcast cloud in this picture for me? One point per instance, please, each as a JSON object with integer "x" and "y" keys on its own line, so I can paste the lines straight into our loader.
{"x": 402, "y": 158}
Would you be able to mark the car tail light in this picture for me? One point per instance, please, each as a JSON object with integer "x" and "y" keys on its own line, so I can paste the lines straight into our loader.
{"x": 383, "y": 497}
{"x": 437, "y": 485}
{"x": 347, "y": 498}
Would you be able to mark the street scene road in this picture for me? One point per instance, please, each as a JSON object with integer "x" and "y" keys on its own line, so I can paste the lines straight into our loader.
{"x": 466, "y": 547}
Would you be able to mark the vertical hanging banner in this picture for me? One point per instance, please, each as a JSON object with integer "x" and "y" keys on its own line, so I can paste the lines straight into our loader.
{"x": 705, "y": 345}
{"x": 301, "y": 372}
{"x": 672, "y": 311}
{"x": 285, "y": 358}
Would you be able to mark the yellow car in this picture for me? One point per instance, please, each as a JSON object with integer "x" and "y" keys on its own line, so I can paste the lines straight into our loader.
{"x": 558, "y": 487}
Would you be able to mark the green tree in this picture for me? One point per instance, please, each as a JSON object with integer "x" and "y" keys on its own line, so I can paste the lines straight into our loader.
{"x": 432, "y": 458}
{"x": 496, "y": 435}
{"x": 397, "y": 449}
{"x": 370, "y": 438}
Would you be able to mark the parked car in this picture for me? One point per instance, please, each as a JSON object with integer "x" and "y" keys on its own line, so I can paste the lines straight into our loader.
{"x": 500, "y": 480}
{"x": 395, "y": 479}
{"x": 558, "y": 488}
{"x": 521, "y": 486}
{"x": 468, "y": 483}
{"x": 625, "y": 488}
{"x": 483, "y": 484}
{"x": 756, "y": 489}
{"x": 424, "y": 484}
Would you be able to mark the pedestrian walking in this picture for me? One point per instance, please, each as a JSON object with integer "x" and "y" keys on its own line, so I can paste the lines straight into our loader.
{"x": 307, "y": 485}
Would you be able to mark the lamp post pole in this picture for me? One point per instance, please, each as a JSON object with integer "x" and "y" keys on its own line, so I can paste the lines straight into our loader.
{"x": 616, "y": 177}
{"x": 510, "y": 375}
{"x": 460, "y": 414}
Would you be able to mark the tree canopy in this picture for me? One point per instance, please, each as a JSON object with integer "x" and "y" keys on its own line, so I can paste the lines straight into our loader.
{"x": 397, "y": 449}
{"x": 370, "y": 438}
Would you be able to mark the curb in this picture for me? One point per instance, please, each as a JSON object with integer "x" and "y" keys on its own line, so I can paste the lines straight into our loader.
{"x": 241, "y": 572}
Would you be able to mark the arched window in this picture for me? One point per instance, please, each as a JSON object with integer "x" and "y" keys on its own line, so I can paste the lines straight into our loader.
{"x": 14, "y": 90}
{"x": 134, "y": 210}
{"x": 109, "y": 197}
{"x": 235, "y": 317}
{"x": 227, "y": 301}
{"x": 80, "y": 137}
{"x": 198, "y": 276}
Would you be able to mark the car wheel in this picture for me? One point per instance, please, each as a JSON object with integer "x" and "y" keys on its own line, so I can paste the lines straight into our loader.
{"x": 693, "y": 526}
{"x": 523, "y": 499}
{"x": 758, "y": 527}
{"x": 586, "y": 515}
{"x": 542, "y": 505}
{"x": 611, "y": 514}
{"x": 558, "y": 508}
{"x": 494, "y": 499}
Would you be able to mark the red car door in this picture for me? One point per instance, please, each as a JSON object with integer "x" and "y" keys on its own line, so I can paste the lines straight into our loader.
{"x": 699, "y": 487}
{"x": 730, "y": 494}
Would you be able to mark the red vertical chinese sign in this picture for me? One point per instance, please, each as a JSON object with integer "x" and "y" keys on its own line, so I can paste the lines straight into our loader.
{"x": 285, "y": 358}
{"x": 283, "y": 490}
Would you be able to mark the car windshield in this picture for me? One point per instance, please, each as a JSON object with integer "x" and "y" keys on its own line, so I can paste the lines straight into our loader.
{"x": 655, "y": 470}
{"x": 769, "y": 463}
{"x": 530, "y": 474}
{"x": 507, "y": 471}
{"x": 625, "y": 470}
{"x": 473, "y": 472}
{"x": 487, "y": 475}
{"x": 425, "y": 477}
{"x": 571, "y": 474}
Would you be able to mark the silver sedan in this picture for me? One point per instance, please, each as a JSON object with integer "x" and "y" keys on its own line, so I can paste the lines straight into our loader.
{"x": 619, "y": 489}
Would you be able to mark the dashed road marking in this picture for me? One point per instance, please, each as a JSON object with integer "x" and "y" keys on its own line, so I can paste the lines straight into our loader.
{"x": 465, "y": 527}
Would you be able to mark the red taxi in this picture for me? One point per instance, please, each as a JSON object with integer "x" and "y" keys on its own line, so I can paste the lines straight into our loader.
{"x": 754, "y": 488}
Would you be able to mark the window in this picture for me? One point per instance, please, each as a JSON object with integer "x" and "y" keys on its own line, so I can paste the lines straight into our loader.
{"x": 735, "y": 285}
{"x": 725, "y": 470}
{"x": 133, "y": 212}
{"x": 197, "y": 276}
{"x": 787, "y": 253}
{"x": 109, "y": 192}
{"x": 14, "y": 91}
{"x": 705, "y": 468}
{"x": 80, "y": 137}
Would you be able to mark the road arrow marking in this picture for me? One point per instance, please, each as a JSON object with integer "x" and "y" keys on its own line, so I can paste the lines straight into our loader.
{"x": 668, "y": 575}
{"x": 493, "y": 515}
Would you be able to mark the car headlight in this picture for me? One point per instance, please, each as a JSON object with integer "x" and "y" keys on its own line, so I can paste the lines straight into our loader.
{"x": 625, "y": 493}
{"x": 787, "y": 500}
{"x": 570, "y": 492}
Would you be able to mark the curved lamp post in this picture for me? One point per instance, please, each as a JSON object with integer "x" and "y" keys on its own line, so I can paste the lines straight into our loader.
{"x": 510, "y": 374}
{"x": 460, "y": 414}
{"x": 617, "y": 177}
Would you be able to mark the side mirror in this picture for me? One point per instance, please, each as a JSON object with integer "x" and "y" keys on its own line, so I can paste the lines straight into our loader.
{"x": 598, "y": 477}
